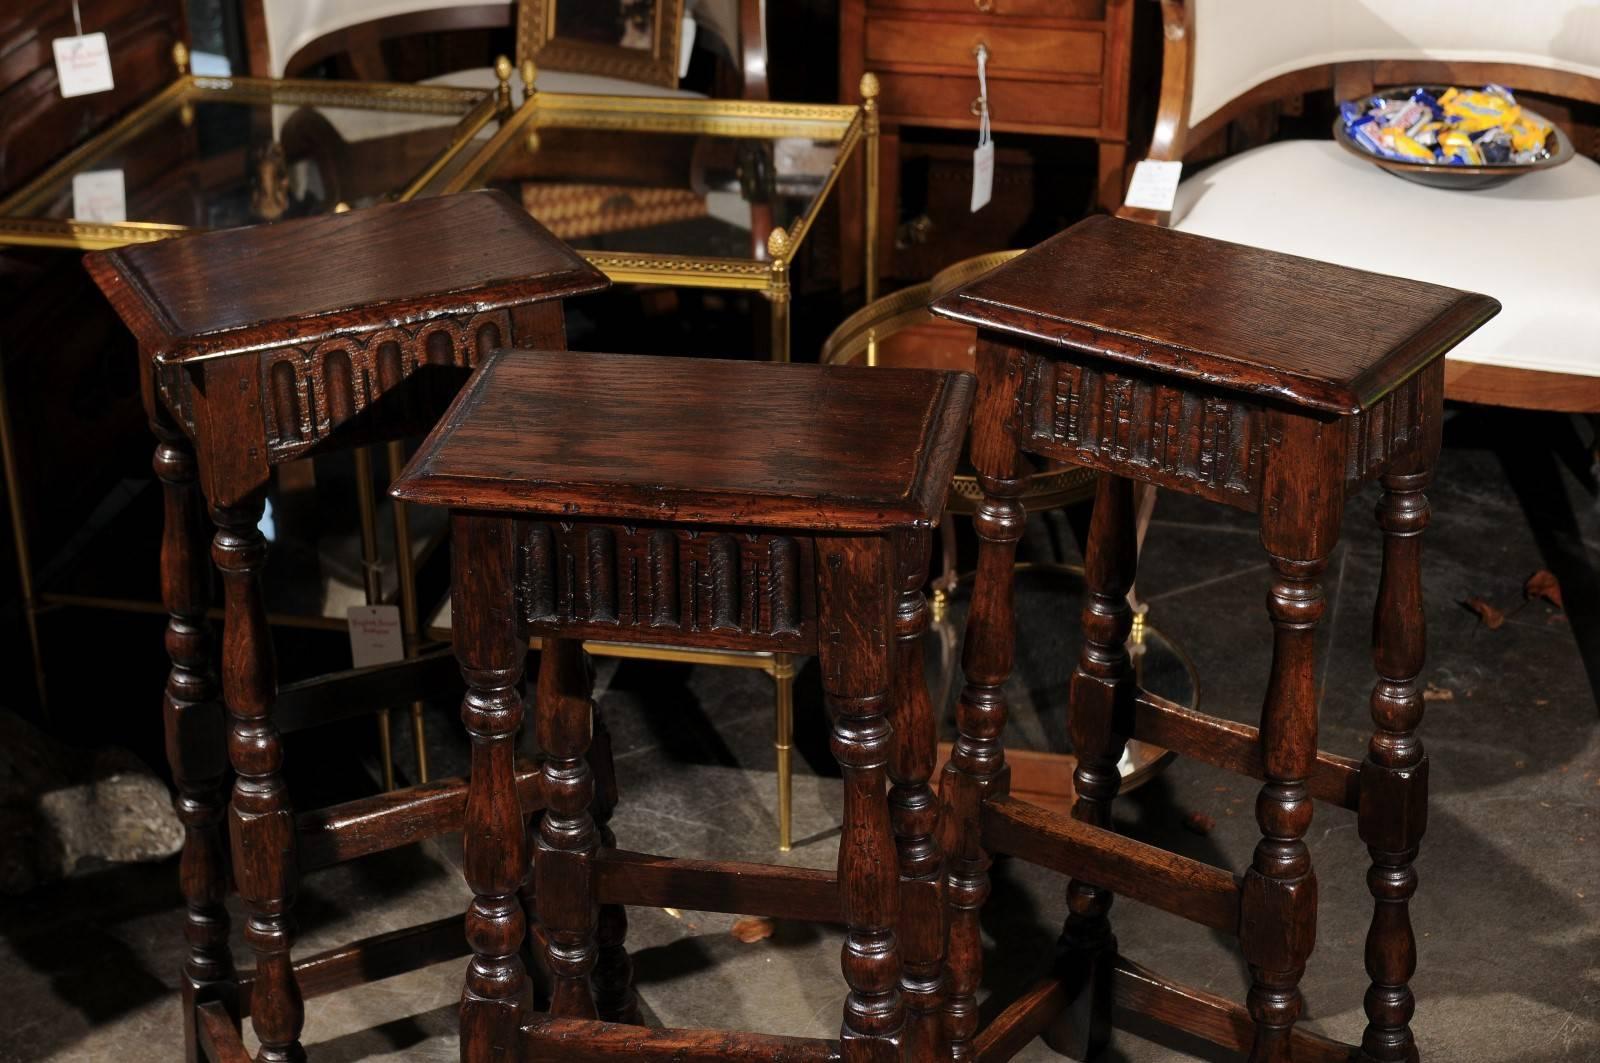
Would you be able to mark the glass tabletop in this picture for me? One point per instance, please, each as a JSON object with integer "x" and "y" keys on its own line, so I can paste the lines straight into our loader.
{"x": 699, "y": 179}
{"x": 221, "y": 152}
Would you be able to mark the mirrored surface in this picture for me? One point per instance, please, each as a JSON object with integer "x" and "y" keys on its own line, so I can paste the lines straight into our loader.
{"x": 644, "y": 192}
{"x": 213, "y": 157}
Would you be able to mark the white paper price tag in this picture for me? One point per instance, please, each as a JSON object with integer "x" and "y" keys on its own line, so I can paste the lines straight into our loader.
{"x": 83, "y": 64}
{"x": 99, "y": 195}
{"x": 983, "y": 154}
{"x": 982, "y": 175}
{"x": 1154, "y": 185}
{"x": 375, "y": 635}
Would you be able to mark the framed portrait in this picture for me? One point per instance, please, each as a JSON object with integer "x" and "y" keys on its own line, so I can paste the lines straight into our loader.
{"x": 635, "y": 40}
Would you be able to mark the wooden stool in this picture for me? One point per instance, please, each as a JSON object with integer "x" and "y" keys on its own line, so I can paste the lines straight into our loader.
{"x": 687, "y": 502}
{"x": 260, "y": 346}
{"x": 1261, "y": 381}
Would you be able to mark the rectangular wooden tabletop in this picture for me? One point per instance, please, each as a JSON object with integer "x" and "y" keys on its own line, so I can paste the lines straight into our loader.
{"x": 472, "y": 251}
{"x": 1225, "y": 315}
{"x": 693, "y": 440}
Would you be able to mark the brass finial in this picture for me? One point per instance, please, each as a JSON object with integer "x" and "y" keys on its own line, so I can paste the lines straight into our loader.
{"x": 502, "y": 69}
{"x": 180, "y": 57}
{"x": 778, "y": 244}
{"x": 341, "y": 207}
{"x": 530, "y": 74}
{"x": 533, "y": 142}
{"x": 869, "y": 86}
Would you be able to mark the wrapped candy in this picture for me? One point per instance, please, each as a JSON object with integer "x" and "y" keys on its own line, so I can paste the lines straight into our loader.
{"x": 1470, "y": 127}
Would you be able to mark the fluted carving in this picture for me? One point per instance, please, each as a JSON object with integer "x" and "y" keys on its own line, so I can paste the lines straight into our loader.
{"x": 754, "y": 589}
{"x": 311, "y": 390}
{"x": 261, "y": 820}
{"x": 1394, "y": 776}
{"x": 196, "y": 734}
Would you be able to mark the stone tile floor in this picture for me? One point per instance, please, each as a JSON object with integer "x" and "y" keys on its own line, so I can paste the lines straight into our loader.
{"x": 1507, "y": 914}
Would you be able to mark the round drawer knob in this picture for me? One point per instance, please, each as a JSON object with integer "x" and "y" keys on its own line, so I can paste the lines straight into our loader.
{"x": 977, "y": 105}
{"x": 983, "y": 5}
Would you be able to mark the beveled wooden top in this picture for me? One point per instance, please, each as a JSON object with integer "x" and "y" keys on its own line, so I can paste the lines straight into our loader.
{"x": 238, "y": 290}
{"x": 1238, "y": 318}
{"x": 694, "y": 440}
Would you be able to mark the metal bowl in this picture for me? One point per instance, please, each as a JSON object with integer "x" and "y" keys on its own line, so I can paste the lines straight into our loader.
{"x": 1460, "y": 178}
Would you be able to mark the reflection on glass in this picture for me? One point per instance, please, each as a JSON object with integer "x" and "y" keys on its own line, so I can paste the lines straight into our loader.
{"x": 620, "y": 23}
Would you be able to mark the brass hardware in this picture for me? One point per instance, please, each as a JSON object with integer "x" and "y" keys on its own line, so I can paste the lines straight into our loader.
{"x": 180, "y": 57}
{"x": 778, "y": 245}
{"x": 985, "y": 6}
{"x": 783, "y": 672}
{"x": 502, "y": 74}
{"x": 533, "y": 143}
{"x": 977, "y": 106}
{"x": 530, "y": 74}
{"x": 341, "y": 207}
{"x": 981, "y": 48}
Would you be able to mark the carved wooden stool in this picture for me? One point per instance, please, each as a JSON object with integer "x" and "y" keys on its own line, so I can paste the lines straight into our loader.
{"x": 260, "y": 346}
{"x": 688, "y": 502}
{"x": 1261, "y": 381}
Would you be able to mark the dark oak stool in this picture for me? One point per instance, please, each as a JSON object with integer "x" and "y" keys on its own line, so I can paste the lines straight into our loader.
{"x": 689, "y": 502}
{"x": 260, "y": 346}
{"x": 1272, "y": 384}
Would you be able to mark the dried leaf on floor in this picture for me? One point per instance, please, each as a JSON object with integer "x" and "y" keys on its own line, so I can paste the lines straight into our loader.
{"x": 1491, "y": 617}
{"x": 1543, "y": 584}
{"x": 1200, "y": 823}
{"x": 1433, "y": 693}
{"x": 752, "y": 928}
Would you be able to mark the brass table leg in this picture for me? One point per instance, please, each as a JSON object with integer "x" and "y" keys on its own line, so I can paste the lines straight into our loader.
{"x": 372, "y": 574}
{"x": 19, "y": 538}
{"x": 783, "y": 672}
{"x": 406, "y": 565}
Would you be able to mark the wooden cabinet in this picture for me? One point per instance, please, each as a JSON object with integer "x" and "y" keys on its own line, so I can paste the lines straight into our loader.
{"x": 1055, "y": 68}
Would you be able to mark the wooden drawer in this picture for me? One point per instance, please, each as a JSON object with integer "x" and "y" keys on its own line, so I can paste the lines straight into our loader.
{"x": 1086, "y": 9}
{"x": 1022, "y": 50}
{"x": 1034, "y": 106}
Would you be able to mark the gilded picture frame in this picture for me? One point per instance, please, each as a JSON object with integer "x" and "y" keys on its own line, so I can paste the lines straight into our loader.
{"x": 634, "y": 40}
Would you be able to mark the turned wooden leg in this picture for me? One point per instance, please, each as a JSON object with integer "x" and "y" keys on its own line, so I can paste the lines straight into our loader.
{"x": 855, "y": 587}
{"x": 197, "y": 737}
{"x": 261, "y": 822}
{"x": 494, "y": 858}
{"x": 1102, "y": 686}
{"x": 568, "y": 839}
{"x": 614, "y": 996}
{"x": 1394, "y": 776}
{"x": 1300, "y": 512}
{"x": 914, "y": 809}
{"x": 977, "y": 766}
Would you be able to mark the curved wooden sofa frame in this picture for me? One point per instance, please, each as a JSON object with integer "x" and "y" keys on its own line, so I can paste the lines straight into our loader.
{"x": 1174, "y": 138}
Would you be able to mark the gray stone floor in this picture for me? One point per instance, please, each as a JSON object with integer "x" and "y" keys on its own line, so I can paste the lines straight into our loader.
{"x": 1507, "y": 914}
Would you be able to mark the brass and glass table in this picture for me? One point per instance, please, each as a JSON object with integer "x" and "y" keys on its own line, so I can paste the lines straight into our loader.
{"x": 219, "y": 152}
{"x": 685, "y": 192}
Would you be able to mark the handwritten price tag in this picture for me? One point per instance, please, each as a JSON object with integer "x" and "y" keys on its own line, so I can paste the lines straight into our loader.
{"x": 375, "y": 635}
{"x": 83, "y": 64}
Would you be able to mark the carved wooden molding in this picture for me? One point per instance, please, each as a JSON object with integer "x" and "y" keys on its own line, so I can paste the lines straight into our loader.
{"x": 734, "y": 589}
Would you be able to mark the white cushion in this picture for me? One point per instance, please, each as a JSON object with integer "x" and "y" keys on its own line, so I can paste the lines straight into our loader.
{"x": 1239, "y": 44}
{"x": 1531, "y": 243}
